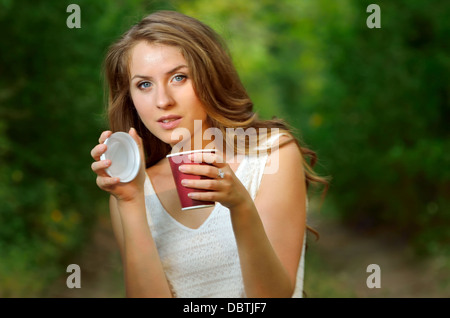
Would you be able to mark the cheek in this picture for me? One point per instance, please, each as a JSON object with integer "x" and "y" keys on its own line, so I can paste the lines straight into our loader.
{"x": 139, "y": 102}
{"x": 144, "y": 112}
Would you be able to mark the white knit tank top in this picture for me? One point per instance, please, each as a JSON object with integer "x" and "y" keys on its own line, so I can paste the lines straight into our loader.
{"x": 204, "y": 262}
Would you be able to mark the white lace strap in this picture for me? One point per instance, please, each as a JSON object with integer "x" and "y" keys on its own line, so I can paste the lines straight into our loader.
{"x": 148, "y": 188}
{"x": 150, "y": 199}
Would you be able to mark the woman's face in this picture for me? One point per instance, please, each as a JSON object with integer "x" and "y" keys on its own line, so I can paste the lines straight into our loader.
{"x": 162, "y": 92}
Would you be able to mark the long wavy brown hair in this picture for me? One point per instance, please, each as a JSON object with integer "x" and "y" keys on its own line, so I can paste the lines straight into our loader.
{"x": 215, "y": 80}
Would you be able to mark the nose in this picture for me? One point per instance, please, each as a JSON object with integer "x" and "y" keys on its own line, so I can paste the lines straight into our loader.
{"x": 164, "y": 97}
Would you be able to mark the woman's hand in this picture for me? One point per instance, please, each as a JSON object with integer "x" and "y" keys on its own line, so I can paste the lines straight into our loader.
{"x": 121, "y": 191}
{"x": 223, "y": 187}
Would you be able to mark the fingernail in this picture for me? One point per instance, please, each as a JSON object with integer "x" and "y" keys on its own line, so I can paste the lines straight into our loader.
{"x": 181, "y": 168}
{"x": 184, "y": 182}
{"x": 107, "y": 163}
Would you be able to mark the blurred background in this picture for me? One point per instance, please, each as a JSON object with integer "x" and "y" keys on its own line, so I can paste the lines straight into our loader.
{"x": 373, "y": 103}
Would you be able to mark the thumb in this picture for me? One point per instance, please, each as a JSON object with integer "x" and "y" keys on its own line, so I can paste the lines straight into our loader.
{"x": 134, "y": 134}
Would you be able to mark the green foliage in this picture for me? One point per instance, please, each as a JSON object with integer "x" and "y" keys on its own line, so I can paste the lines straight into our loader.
{"x": 51, "y": 114}
{"x": 385, "y": 115}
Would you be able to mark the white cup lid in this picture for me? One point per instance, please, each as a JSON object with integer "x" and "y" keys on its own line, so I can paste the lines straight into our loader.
{"x": 124, "y": 154}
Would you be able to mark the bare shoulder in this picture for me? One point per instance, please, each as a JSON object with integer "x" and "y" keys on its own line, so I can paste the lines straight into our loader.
{"x": 283, "y": 182}
{"x": 286, "y": 157}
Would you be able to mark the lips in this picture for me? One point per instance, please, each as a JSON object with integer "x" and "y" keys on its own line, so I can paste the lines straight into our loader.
{"x": 169, "y": 121}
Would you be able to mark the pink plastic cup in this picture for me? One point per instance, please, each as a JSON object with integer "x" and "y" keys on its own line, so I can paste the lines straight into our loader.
{"x": 181, "y": 158}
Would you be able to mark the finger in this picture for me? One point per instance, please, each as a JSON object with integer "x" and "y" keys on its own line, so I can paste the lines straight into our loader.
{"x": 134, "y": 134}
{"x": 204, "y": 184}
{"x": 97, "y": 151}
{"x": 200, "y": 169}
{"x": 205, "y": 196}
{"x": 106, "y": 183}
{"x": 106, "y": 134}
{"x": 99, "y": 167}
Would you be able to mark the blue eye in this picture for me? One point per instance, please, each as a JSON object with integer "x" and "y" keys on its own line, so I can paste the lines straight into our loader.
{"x": 179, "y": 78}
{"x": 144, "y": 85}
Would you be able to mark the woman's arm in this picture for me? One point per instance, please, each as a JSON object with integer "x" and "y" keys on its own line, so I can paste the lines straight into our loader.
{"x": 269, "y": 232}
{"x": 144, "y": 275}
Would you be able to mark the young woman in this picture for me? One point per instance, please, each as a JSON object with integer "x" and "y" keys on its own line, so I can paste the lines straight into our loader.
{"x": 169, "y": 72}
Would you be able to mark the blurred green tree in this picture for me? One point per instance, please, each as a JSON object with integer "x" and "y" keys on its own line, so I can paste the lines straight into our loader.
{"x": 384, "y": 113}
{"x": 51, "y": 115}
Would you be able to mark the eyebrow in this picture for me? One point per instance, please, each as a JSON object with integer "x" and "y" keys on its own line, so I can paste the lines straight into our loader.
{"x": 177, "y": 68}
